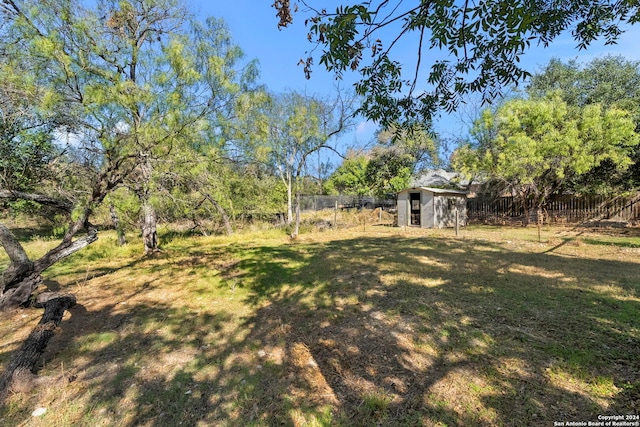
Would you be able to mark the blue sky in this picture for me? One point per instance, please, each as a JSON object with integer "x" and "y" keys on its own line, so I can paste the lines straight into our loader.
{"x": 253, "y": 25}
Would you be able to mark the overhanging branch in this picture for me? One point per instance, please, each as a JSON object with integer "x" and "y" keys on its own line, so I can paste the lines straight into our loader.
{"x": 63, "y": 205}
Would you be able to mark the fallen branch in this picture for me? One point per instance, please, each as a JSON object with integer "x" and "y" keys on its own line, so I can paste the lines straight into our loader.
{"x": 19, "y": 375}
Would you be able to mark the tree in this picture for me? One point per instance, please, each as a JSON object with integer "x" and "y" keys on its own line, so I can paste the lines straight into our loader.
{"x": 389, "y": 170}
{"x": 141, "y": 71}
{"x": 401, "y": 153}
{"x": 195, "y": 161}
{"x": 611, "y": 81}
{"x": 134, "y": 81}
{"x": 538, "y": 145}
{"x": 480, "y": 46}
{"x": 36, "y": 103}
{"x": 291, "y": 127}
{"x": 416, "y": 141}
{"x": 350, "y": 177}
{"x": 388, "y": 167}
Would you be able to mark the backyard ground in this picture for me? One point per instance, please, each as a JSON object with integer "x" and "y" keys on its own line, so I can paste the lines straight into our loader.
{"x": 366, "y": 326}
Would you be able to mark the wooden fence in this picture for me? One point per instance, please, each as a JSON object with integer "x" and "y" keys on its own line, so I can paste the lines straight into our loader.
{"x": 570, "y": 209}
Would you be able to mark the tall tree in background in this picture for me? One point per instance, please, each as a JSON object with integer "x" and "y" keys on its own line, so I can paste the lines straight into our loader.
{"x": 389, "y": 170}
{"x": 388, "y": 167}
{"x": 350, "y": 177}
{"x": 291, "y": 127}
{"x": 417, "y": 141}
{"x": 537, "y": 146}
{"x": 480, "y": 45}
{"x": 401, "y": 153}
{"x": 611, "y": 81}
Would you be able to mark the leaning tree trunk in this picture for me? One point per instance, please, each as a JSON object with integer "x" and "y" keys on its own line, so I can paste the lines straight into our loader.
{"x": 223, "y": 214}
{"x": 19, "y": 374}
{"x": 22, "y": 277}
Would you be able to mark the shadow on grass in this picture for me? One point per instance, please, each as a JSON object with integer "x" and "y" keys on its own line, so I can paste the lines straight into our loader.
{"x": 371, "y": 331}
{"x": 492, "y": 337}
{"x": 609, "y": 243}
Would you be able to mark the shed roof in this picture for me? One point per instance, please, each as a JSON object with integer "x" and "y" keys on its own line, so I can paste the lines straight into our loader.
{"x": 438, "y": 191}
{"x": 440, "y": 178}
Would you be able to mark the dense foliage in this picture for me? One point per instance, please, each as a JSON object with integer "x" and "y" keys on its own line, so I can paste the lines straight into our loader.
{"x": 611, "y": 81}
{"x": 457, "y": 47}
{"x": 138, "y": 103}
{"x": 534, "y": 147}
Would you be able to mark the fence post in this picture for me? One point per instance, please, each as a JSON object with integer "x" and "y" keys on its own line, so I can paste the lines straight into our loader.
{"x": 457, "y": 221}
{"x": 540, "y": 219}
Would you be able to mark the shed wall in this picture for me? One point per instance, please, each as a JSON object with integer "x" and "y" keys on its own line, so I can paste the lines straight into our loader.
{"x": 427, "y": 214}
{"x": 445, "y": 210}
{"x": 403, "y": 209}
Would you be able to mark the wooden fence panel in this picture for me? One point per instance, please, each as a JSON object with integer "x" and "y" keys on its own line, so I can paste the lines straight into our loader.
{"x": 569, "y": 209}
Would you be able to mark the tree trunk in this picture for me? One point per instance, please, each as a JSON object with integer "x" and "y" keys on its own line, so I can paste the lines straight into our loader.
{"x": 19, "y": 374}
{"x": 540, "y": 219}
{"x": 116, "y": 223}
{"x": 525, "y": 221}
{"x": 149, "y": 231}
{"x": 289, "y": 201}
{"x": 18, "y": 278}
{"x": 223, "y": 214}
{"x": 296, "y": 228}
{"x": 149, "y": 219}
{"x": 22, "y": 277}
{"x": 18, "y": 291}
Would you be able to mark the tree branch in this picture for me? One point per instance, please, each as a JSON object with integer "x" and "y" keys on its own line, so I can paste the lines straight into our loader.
{"x": 64, "y": 249}
{"x": 63, "y": 205}
{"x": 12, "y": 247}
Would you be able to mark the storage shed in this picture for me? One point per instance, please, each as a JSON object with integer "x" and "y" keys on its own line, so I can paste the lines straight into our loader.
{"x": 431, "y": 207}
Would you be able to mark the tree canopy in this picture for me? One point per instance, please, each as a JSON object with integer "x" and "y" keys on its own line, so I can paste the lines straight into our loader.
{"x": 611, "y": 81}
{"x": 479, "y": 44}
{"x": 132, "y": 81}
{"x": 535, "y": 146}
{"x": 286, "y": 130}
{"x": 350, "y": 177}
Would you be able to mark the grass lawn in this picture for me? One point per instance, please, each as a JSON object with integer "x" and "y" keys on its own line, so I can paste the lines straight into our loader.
{"x": 369, "y": 326}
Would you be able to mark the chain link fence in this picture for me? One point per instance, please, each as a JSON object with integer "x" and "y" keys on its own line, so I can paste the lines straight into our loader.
{"x": 318, "y": 203}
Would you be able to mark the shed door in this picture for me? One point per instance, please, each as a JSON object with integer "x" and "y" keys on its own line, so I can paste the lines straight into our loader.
{"x": 414, "y": 202}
